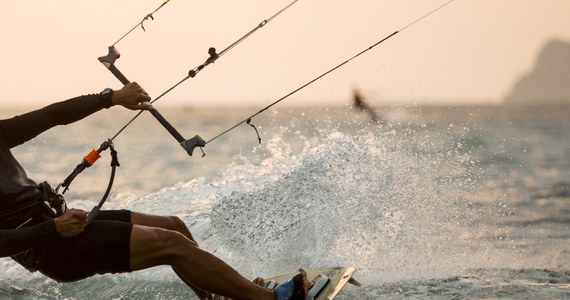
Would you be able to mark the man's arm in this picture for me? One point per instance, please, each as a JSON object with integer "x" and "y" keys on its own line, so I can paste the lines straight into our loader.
{"x": 70, "y": 224}
{"x": 25, "y": 127}
{"x": 20, "y": 129}
{"x": 15, "y": 241}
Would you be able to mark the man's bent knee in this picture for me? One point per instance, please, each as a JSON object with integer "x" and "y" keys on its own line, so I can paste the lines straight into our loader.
{"x": 177, "y": 223}
{"x": 180, "y": 226}
{"x": 156, "y": 246}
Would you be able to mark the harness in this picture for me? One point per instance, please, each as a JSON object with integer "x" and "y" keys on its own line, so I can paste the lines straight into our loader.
{"x": 53, "y": 205}
{"x": 87, "y": 162}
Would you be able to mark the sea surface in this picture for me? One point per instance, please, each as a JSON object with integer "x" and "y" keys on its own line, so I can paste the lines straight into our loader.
{"x": 434, "y": 203}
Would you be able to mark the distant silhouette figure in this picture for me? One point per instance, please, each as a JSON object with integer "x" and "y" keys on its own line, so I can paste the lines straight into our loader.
{"x": 359, "y": 104}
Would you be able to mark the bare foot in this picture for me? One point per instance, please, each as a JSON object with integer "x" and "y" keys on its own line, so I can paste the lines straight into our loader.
{"x": 259, "y": 281}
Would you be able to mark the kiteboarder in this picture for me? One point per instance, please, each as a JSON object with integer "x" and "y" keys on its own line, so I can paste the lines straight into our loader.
{"x": 40, "y": 233}
{"x": 359, "y": 104}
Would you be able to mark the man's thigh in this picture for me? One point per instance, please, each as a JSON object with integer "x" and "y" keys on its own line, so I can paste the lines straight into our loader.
{"x": 143, "y": 219}
{"x": 165, "y": 222}
{"x": 103, "y": 247}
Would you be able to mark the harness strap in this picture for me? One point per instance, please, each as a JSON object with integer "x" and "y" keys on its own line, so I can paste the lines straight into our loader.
{"x": 114, "y": 164}
{"x": 88, "y": 160}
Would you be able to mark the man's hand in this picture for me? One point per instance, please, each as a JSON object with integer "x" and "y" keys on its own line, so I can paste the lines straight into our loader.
{"x": 131, "y": 96}
{"x": 71, "y": 223}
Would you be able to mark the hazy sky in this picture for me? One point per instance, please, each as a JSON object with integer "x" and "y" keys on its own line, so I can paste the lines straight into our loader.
{"x": 469, "y": 51}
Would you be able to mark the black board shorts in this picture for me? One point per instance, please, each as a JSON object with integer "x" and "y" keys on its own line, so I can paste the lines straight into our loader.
{"x": 102, "y": 248}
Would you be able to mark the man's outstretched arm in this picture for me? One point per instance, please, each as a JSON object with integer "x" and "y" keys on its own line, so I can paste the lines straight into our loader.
{"x": 15, "y": 241}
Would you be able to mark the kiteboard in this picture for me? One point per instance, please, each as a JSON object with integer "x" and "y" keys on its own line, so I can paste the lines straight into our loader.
{"x": 323, "y": 283}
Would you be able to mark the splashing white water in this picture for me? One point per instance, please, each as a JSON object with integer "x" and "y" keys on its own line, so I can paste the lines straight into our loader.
{"x": 367, "y": 200}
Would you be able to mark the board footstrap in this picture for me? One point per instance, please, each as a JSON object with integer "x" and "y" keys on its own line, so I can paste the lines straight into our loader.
{"x": 318, "y": 287}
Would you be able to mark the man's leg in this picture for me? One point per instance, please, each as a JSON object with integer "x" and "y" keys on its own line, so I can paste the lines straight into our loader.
{"x": 171, "y": 223}
{"x": 152, "y": 246}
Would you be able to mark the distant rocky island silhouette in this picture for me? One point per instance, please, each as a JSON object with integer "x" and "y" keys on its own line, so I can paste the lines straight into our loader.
{"x": 548, "y": 82}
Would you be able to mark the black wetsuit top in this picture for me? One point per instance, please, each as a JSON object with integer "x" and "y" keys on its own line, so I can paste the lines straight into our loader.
{"x": 19, "y": 195}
